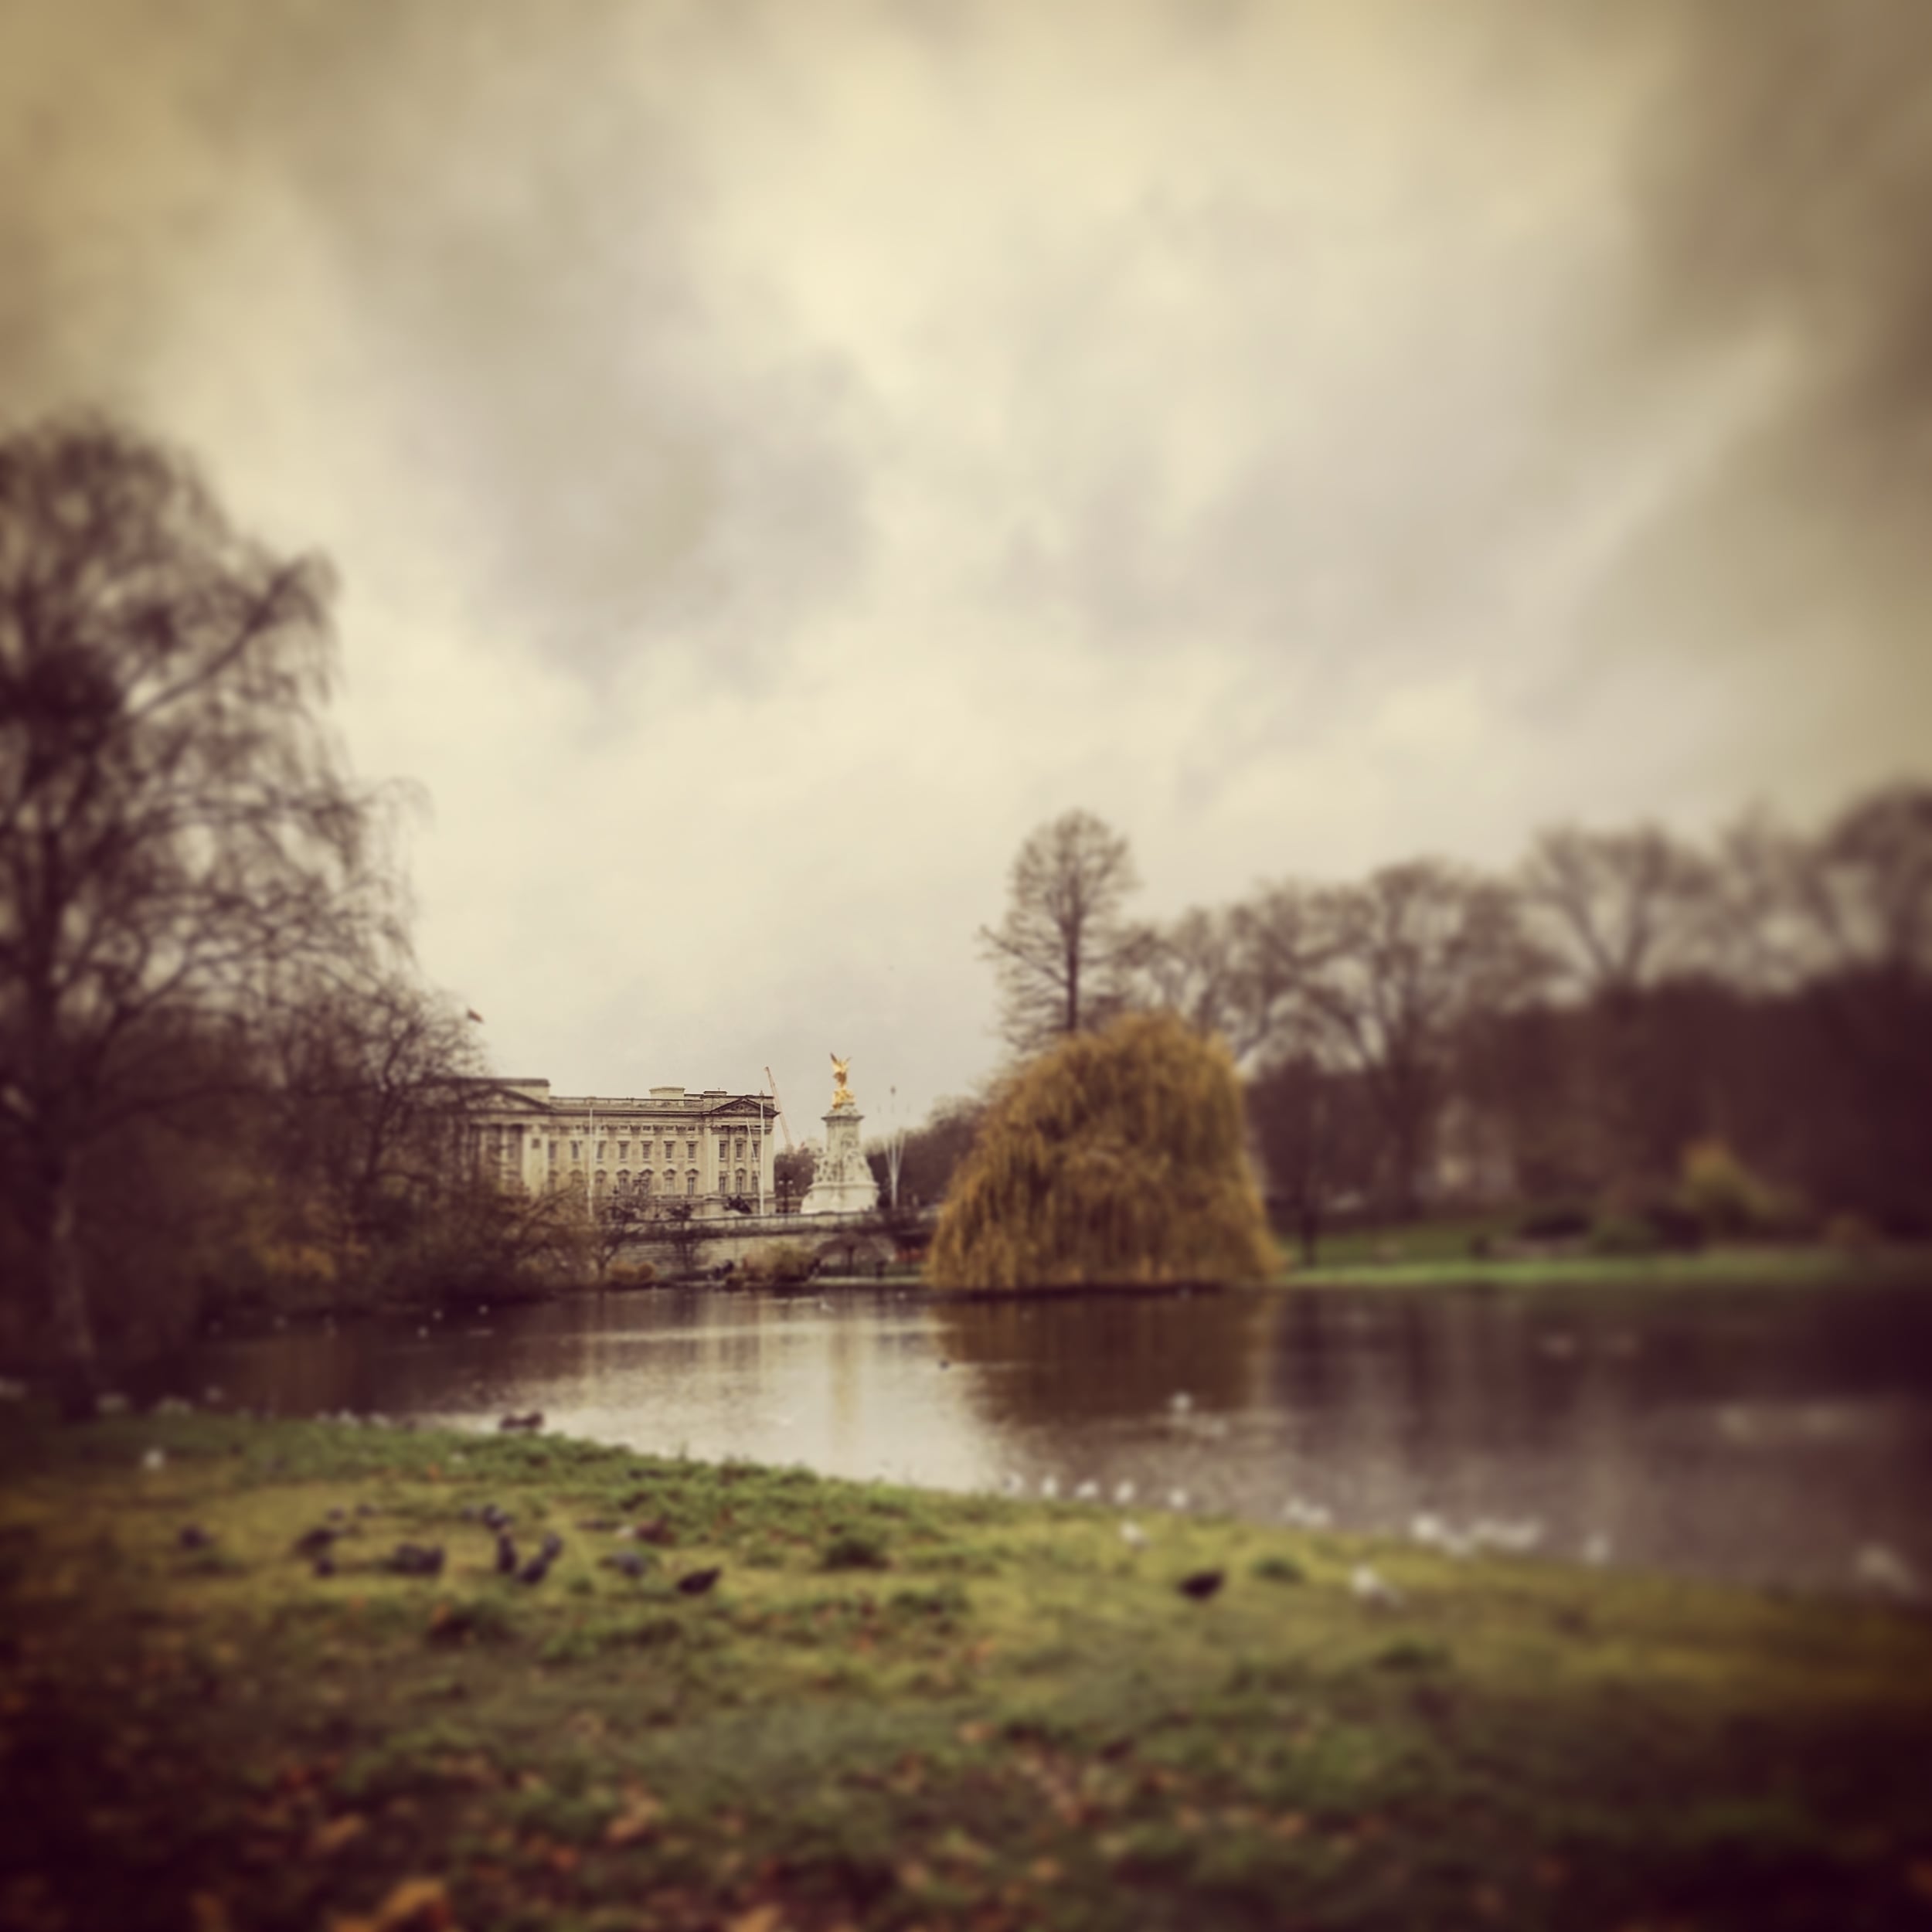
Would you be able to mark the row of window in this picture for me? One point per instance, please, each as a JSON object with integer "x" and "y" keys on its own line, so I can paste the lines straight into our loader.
{"x": 507, "y": 1148}
{"x": 645, "y": 1183}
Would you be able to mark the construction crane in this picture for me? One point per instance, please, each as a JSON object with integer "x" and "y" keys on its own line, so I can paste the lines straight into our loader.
{"x": 784, "y": 1126}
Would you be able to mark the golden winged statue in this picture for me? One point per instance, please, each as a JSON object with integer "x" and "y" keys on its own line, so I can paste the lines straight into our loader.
{"x": 842, "y": 1094}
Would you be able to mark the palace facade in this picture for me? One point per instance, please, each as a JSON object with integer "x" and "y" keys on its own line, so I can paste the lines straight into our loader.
{"x": 707, "y": 1148}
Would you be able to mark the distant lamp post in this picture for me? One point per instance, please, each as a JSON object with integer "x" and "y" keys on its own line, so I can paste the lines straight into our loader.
{"x": 895, "y": 1144}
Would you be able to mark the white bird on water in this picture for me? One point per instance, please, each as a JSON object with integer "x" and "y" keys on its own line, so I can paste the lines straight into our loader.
{"x": 1123, "y": 1493}
{"x": 1049, "y": 1487}
{"x": 1088, "y": 1492}
{"x": 1134, "y": 1537}
{"x": 1177, "y": 1499}
{"x": 1597, "y": 1550}
{"x": 1181, "y": 1402}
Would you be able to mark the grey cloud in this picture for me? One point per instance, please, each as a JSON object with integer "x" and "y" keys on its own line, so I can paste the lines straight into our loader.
{"x": 510, "y": 199}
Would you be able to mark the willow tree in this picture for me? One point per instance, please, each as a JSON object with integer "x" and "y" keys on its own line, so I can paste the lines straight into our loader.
{"x": 1117, "y": 1156}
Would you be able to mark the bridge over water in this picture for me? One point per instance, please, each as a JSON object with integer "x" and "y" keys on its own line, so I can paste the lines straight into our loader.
{"x": 848, "y": 1240}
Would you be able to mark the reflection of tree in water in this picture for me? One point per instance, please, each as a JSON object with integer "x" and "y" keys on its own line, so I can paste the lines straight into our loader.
{"x": 1052, "y": 1359}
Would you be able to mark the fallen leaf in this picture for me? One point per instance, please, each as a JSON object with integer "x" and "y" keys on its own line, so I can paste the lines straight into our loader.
{"x": 329, "y": 1838}
{"x": 638, "y": 1820}
{"x": 416, "y": 1905}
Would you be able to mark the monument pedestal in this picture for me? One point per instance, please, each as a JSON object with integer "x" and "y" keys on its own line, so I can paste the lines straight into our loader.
{"x": 842, "y": 1182}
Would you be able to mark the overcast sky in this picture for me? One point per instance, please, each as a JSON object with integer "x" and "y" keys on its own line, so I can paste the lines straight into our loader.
{"x": 776, "y": 455}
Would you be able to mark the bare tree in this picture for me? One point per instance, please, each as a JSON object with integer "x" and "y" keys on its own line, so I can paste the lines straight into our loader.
{"x": 173, "y": 819}
{"x": 1063, "y": 950}
{"x": 1305, "y": 1118}
{"x": 1204, "y": 966}
{"x": 1619, "y": 910}
{"x": 375, "y": 1079}
{"x": 1392, "y": 971}
{"x": 1619, "y": 913}
{"x": 1864, "y": 889}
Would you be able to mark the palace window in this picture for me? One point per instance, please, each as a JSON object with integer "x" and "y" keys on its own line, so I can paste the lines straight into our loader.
{"x": 741, "y": 1180}
{"x": 577, "y": 1151}
{"x": 691, "y": 1184}
{"x": 623, "y": 1150}
{"x": 690, "y": 1149}
{"x": 602, "y": 1176}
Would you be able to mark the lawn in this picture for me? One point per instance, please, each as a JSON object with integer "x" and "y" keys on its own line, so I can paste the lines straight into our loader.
{"x": 1435, "y": 1263}
{"x": 1449, "y": 1253}
{"x": 891, "y": 1709}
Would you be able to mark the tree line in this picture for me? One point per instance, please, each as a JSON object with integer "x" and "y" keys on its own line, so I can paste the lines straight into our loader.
{"x": 1575, "y": 1030}
{"x": 222, "y": 1077}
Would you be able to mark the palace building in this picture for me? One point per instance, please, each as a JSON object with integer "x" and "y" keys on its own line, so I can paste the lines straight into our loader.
{"x": 708, "y": 1148}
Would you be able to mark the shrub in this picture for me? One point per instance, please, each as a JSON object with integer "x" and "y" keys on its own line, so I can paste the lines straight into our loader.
{"x": 779, "y": 1261}
{"x": 1724, "y": 1194}
{"x": 1115, "y": 1157}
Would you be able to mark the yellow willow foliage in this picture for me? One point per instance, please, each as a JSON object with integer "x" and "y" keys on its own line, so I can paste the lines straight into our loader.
{"x": 1116, "y": 1156}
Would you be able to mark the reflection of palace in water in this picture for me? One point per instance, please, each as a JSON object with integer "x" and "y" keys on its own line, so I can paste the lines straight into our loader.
{"x": 707, "y": 1148}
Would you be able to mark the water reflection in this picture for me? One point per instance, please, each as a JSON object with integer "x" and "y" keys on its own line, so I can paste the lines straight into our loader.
{"x": 1768, "y": 1435}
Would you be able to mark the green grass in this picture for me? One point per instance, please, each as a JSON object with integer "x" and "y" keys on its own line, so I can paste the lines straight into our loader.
{"x": 1446, "y": 1240}
{"x": 1438, "y": 1265}
{"x": 894, "y": 1710}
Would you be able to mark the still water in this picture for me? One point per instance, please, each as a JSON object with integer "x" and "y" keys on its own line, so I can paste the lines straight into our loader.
{"x": 1770, "y": 1435}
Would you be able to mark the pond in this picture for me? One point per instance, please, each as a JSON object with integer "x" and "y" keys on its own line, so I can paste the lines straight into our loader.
{"x": 1766, "y": 1434}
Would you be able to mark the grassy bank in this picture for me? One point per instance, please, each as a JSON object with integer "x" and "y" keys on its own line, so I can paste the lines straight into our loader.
{"x": 1764, "y": 1266}
{"x": 892, "y": 1709}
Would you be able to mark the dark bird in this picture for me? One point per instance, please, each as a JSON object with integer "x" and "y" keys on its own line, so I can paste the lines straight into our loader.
{"x": 416, "y": 1559}
{"x": 194, "y": 1537}
{"x": 325, "y": 1564}
{"x": 552, "y": 1546}
{"x": 533, "y": 1421}
{"x": 698, "y": 1582}
{"x": 535, "y": 1570}
{"x": 1202, "y": 1584}
{"x": 315, "y": 1543}
{"x": 505, "y": 1556}
{"x": 656, "y": 1530}
{"x": 632, "y": 1562}
{"x": 494, "y": 1517}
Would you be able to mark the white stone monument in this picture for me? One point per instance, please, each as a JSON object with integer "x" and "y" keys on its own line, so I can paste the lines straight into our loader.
{"x": 842, "y": 1182}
